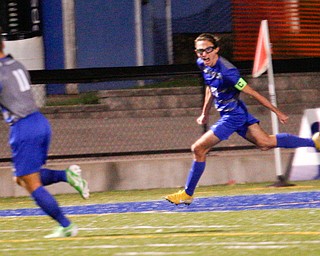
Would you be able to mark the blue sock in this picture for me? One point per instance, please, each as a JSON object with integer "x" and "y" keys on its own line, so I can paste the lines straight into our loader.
{"x": 49, "y": 177}
{"x": 195, "y": 173}
{"x": 285, "y": 140}
{"x": 315, "y": 127}
{"x": 49, "y": 205}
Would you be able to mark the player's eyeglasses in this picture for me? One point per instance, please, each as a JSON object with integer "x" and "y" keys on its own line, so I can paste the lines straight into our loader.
{"x": 207, "y": 50}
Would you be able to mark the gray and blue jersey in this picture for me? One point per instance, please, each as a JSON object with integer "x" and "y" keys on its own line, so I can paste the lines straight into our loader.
{"x": 30, "y": 131}
{"x": 16, "y": 99}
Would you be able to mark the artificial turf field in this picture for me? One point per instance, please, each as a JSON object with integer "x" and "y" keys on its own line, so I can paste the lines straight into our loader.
{"x": 249, "y": 219}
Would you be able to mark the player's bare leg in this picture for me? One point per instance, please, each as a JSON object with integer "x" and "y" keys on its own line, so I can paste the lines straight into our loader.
{"x": 264, "y": 141}
{"x": 200, "y": 148}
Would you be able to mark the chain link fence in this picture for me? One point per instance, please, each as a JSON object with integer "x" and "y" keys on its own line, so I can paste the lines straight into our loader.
{"x": 145, "y": 120}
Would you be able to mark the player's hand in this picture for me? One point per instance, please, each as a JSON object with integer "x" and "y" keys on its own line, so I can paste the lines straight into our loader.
{"x": 203, "y": 119}
{"x": 283, "y": 118}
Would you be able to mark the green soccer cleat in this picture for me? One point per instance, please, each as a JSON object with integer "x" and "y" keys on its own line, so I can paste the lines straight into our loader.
{"x": 180, "y": 197}
{"x": 59, "y": 232}
{"x": 316, "y": 140}
{"x": 75, "y": 180}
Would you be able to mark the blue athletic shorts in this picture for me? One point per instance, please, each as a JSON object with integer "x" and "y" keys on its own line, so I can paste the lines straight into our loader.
{"x": 29, "y": 141}
{"x": 237, "y": 120}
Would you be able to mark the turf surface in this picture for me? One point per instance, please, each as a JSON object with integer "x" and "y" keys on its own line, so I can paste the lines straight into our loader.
{"x": 248, "y": 219}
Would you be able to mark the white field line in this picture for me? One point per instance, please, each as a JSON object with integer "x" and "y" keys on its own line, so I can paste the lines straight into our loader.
{"x": 164, "y": 227}
{"x": 126, "y": 228}
{"x": 254, "y": 247}
{"x": 23, "y": 249}
{"x": 158, "y": 228}
{"x": 225, "y": 245}
{"x": 156, "y": 212}
{"x": 269, "y": 243}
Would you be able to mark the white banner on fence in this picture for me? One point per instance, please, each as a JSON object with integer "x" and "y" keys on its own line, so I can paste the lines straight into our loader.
{"x": 306, "y": 161}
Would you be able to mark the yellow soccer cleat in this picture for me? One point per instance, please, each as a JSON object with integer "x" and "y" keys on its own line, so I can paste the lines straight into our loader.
{"x": 316, "y": 140}
{"x": 180, "y": 197}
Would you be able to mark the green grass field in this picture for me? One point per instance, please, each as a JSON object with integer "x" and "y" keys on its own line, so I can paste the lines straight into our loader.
{"x": 250, "y": 232}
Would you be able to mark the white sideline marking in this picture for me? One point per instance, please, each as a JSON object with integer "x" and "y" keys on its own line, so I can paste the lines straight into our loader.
{"x": 166, "y": 227}
{"x": 23, "y": 230}
{"x": 106, "y": 246}
{"x": 226, "y": 245}
{"x": 158, "y": 228}
{"x": 123, "y": 228}
{"x": 279, "y": 224}
{"x": 253, "y": 247}
{"x": 22, "y": 249}
{"x": 270, "y": 243}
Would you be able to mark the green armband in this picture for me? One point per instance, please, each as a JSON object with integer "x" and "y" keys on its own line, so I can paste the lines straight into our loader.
{"x": 241, "y": 84}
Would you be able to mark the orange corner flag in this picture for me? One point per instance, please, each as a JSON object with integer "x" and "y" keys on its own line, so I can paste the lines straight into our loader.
{"x": 262, "y": 57}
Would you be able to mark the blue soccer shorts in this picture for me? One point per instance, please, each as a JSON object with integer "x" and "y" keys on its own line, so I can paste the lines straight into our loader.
{"x": 237, "y": 120}
{"x": 29, "y": 141}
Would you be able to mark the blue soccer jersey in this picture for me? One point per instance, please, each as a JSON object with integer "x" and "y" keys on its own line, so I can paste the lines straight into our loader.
{"x": 226, "y": 84}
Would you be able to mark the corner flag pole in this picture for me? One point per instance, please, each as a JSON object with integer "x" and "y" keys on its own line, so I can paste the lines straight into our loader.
{"x": 262, "y": 63}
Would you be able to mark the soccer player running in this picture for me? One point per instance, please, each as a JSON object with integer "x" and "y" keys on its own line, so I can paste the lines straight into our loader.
{"x": 29, "y": 140}
{"x": 224, "y": 85}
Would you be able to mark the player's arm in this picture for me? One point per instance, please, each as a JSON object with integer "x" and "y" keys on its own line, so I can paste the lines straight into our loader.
{"x": 203, "y": 119}
{"x": 244, "y": 87}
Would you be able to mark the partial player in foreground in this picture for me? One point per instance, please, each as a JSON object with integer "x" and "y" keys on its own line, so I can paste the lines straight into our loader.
{"x": 30, "y": 135}
{"x": 224, "y": 85}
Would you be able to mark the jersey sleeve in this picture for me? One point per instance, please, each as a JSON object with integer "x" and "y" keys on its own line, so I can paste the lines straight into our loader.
{"x": 241, "y": 84}
{"x": 234, "y": 79}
